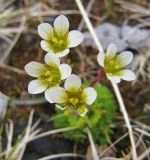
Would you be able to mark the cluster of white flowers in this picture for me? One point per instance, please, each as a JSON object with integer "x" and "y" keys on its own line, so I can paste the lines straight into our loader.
{"x": 49, "y": 76}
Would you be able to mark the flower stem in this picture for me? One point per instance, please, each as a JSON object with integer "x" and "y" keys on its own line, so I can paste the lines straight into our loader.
{"x": 99, "y": 76}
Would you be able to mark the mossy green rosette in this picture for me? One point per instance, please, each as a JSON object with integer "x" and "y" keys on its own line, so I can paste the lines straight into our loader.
{"x": 98, "y": 119}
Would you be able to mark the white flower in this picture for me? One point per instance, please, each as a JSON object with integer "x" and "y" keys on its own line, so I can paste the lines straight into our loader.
{"x": 114, "y": 65}
{"x": 48, "y": 75}
{"x": 58, "y": 39}
{"x": 73, "y": 97}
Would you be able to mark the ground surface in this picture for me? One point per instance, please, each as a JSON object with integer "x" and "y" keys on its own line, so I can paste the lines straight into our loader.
{"x": 13, "y": 82}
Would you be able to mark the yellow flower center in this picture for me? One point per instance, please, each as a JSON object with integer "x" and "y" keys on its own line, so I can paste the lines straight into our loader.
{"x": 58, "y": 43}
{"x": 51, "y": 76}
{"x": 112, "y": 66}
{"x": 75, "y": 99}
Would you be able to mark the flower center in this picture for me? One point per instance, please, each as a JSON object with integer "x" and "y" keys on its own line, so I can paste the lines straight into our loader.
{"x": 75, "y": 99}
{"x": 112, "y": 66}
{"x": 58, "y": 43}
{"x": 51, "y": 76}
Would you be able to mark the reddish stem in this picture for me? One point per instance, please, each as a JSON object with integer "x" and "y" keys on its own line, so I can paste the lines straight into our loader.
{"x": 100, "y": 75}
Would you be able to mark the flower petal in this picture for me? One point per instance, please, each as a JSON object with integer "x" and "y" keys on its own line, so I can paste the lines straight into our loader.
{"x": 125, "y": 58}
{"x": 52, "y": 59}
{"x": 36, "y": 86}
{"x": 75, "y": 38}
{"x": 34, "y": 69}
{"x": 101, "y": 58}
{"x": 128, "y": 75}
{"x": 82, "y": 111}
{"x": 56, "y": 95}
{"x": 45, "y": 31}
{"x": 45, "y": 46}
{"x": 115, "y": 79}
{"x": 63, "y": 53}
{"x": 90, "y": 95}
{"x": 111, "y": 50}
{"x": 65, "y": 70}
{"x": 72, "y": 82}
{"x": 61, "y": 25}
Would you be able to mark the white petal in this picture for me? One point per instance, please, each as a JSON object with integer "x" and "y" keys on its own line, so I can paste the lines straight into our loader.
{"x": 47, "y": 96}
{"x": 72, "y": 82}
{"x": 56, "y": 95}
{"x": 65, "y": 70}
{"x": 36, "y": 86}
{"x": 125, "y": 58}
{"x": 52, "y": 59}
{"x": 75, "y": 38}
{"x": 45, "y": 46}
{"x": 63, "y": 53}
{"x": 128, "y": 75}
{"x": 45, "y": 31}
{"x": 34, "y": 69}
{"x": 111, "y": 50}
{"x": 114, "y": 79}
{"x": 101, "y": 58}
{"x": 91, "y": 95}
{"x": 82, "y": 114}
{"x": 61, "y": 25}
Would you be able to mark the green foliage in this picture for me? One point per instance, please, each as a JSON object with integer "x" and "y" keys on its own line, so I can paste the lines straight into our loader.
{"x": 98, "y": 119}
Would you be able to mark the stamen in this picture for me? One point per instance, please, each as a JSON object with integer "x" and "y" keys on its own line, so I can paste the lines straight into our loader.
{"x": 73, "y": 101}
{"x": 112, "y": 66}
{"x": 55, "y": 40}
{"x": 51, "y": 76}
{"x": 58, "y": 44}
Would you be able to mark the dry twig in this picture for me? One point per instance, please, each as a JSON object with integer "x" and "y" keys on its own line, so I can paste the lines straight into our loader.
{"x": 62, "y": 155}
{"x": 115, "y": 87}
{"x": 93, "y": 147}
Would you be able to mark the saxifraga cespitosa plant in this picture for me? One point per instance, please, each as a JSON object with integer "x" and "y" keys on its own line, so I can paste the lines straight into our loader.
{"x": 57, "y": 41}
{"x": 98, "y": 119}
